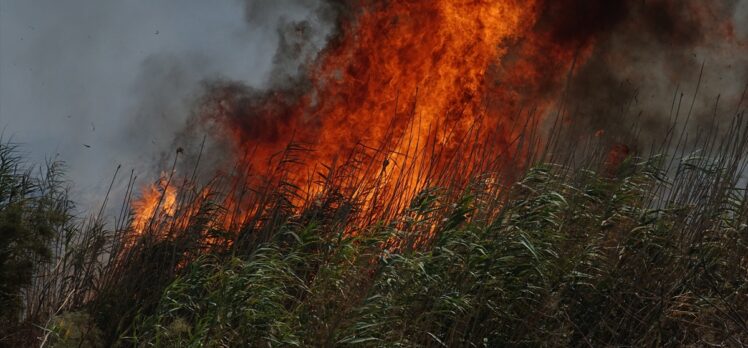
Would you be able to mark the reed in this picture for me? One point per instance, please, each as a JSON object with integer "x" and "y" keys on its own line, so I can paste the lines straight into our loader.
{"x": 541, "y": 244}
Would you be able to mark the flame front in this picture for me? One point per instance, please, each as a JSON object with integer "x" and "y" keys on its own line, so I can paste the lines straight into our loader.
{"x": 405, "y": 78}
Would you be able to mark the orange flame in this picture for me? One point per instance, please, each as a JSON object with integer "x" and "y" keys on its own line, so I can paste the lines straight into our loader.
{"x": 403, "y": 76}
{"x": 155, "y": 202}
{"x": 417, "y": 69}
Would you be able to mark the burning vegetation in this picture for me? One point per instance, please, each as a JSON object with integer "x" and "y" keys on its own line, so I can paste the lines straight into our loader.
{"x": 409, "y": 95}
{"x": 441, "y": 173}
{"x": 406, "y": 93}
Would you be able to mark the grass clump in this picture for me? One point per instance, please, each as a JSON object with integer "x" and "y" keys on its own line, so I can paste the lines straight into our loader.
{"x": 33, "y": 210}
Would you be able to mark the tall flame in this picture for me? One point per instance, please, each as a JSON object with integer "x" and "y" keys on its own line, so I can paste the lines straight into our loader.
{"x": 432, "y": 69}
{"x": 404, "y": 74}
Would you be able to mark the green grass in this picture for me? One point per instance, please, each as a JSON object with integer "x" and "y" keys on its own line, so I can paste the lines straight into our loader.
{"x": 571, "y": 259}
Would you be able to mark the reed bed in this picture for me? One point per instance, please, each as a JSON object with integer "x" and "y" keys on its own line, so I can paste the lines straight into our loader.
{"x": 538, "y": 244}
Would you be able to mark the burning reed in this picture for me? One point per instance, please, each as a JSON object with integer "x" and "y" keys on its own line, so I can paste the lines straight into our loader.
{"x": 402, "y": 191}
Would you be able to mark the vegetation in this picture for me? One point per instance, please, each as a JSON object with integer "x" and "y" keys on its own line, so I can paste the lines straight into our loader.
{"x": 49, "y": 260}
{"x": 641, "y": 251}
{"x": 570, "y": 260}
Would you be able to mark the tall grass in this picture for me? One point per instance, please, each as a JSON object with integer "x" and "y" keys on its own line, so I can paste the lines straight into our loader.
{"x": 539, "y": 245}
{"x": 50, "y": 261}
{"x": 571, "y": 258}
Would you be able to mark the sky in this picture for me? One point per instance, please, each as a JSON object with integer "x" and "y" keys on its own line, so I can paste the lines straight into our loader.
{"x": 102, "y": 83}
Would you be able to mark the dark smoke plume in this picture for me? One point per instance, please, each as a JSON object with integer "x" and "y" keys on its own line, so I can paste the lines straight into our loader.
{"x": 650, "y": 61}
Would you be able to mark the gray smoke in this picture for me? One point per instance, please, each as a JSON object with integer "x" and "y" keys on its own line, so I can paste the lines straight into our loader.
{"x": 98, "y": 84}
{"x": 653, "y": 57}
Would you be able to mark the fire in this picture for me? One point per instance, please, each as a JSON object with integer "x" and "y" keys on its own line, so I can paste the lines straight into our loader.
{"x": 416, "y": 69}
{"x": 430, "y": 58}
{"x": 155, "y": 203}
{"x": 423, "y": 85}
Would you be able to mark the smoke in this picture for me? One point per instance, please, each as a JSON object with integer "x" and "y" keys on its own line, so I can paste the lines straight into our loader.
{"x": 651, "y": 61}
{"x": 263, "y": 110}
{"x": 100, "y": 84}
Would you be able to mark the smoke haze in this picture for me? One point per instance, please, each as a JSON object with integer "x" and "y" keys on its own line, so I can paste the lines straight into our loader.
{"x": 98, "y": 84}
